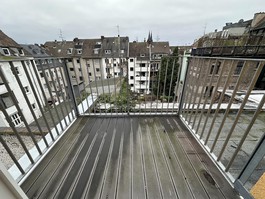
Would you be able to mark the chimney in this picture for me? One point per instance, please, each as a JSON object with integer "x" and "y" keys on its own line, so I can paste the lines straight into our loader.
{"x": 258, "y": 17}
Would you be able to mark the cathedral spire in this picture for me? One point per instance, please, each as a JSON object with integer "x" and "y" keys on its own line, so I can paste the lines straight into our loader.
{"x": 150, "y": 39}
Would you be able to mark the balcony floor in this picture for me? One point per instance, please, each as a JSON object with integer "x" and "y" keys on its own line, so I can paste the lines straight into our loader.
{"x": 127, "y": 157}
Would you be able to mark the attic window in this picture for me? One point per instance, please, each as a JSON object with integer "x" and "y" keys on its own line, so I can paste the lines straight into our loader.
{"x": 107, "y": 51}
{"x": 6, "y": 51}
{"x": 79, "y": 51}
{"x": 95, "y": 51}
{"x": 69, "y": 51}
{"x": 21, "y": 52}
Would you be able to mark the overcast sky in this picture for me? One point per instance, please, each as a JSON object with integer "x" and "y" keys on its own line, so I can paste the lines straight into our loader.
{"x": 178, "y": 21}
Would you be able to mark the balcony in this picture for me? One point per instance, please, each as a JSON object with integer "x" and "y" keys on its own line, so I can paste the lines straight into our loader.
{"x": 192, "y": 137}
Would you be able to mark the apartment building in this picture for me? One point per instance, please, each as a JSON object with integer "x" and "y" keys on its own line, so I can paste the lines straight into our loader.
{"x": 13, "y": 62}
{"x": 70, "y": 53}
{"x": 50, "y": 70}
{"x": 144, "y": 64}
{"x": 89, "y": 60}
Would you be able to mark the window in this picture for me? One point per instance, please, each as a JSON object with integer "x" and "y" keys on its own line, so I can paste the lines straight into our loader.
{"x": 79, "y": 51}
{"x": 131, "y": 60}
{"x": 114, "y": 65}
{"x": 41, "y": 74}
{"x": 210, "y": 91}
{"x": 216, "y": 66}
{"x": 47, "y": 74}
{"x": 7, "y": 101}
{"x": 122, "y": 51}
{"x": 26, "y": 88}
{"x": 97, "y": 69}
{"x": 88, "y": 65}
{"x": 78, "y": 61}
{"x": 90, "y": 74}
{"x": 16, "y": 119}
{"x": 131, "y": 85}
{"x": 33, "y": 106}
{"x": 69, "y": 51}
{"x": 131, "y": 77}
{"x": 81, "y": 78}
{"x": 142, "y": 65}
{"x": 69, "y": 60}
{"x": 6, "y": 51}
{"x": 239, "y": 67}
{"x": 131, "y": 68}
{"x": 107, "y": 51}
{"x": 71, "y": 69}
{"x": 17, "y": 70}
{"x": 20, "y": 51}
{"x": 73, "y": 76}
{"x": 142, "y": 55}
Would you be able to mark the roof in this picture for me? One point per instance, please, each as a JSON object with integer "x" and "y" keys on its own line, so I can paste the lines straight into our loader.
{"x": 259, "y": 26}
{"x": 138, "y": 48}
{"x": 59, "y": 48}
{"x": 86, "y": 48}
{"x": 241, "y": 23}
{"x": 34, "y": 50}
{"x": 115, "y": 44}
{"x": 6, "y": 41}
{"x": 89, "y": 45}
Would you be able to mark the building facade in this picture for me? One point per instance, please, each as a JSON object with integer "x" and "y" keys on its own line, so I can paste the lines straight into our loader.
{"x": 51, "y": 72}
{"x": 144, "y": 63}
{"x": 13, "y": 64}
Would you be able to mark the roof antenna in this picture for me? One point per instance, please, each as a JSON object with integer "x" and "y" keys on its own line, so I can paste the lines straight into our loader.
{"x": 61, "y": 35}
{"x": 118, "y": 27}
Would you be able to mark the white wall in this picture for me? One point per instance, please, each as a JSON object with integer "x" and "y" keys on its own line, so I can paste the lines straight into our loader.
{"x": 18, "y": 93}
{"x": 8, "y": 187}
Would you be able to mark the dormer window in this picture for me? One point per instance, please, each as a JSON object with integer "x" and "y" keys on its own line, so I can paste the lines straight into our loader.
{"x": 79, "y": 51}
{"x": 142, "y": 55}
{"x": 96, "y": 51}
{"x": 6, "y": 51}
{"x": 122, "y": 51}
{"x": 69, "y": 51}
{"x": 107, "y": 51}
{"x": 21, "y": 52}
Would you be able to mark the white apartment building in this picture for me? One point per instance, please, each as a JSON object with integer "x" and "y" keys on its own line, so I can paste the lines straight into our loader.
{"x": 11, "y": 54}
{"x": 6, "y": 99}
{"x": 144, "y": 63}
{"x": 139, "y": 75}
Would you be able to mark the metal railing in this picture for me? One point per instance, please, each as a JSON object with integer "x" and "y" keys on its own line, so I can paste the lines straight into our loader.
{"x": 225, "y": 114}
{"x": 35, "y": 111}
{"x": 214, "y": 97}
{"x": 145, "y": 87}
{"x": 231, "y": 51}
{"x": 41, "y": 98}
